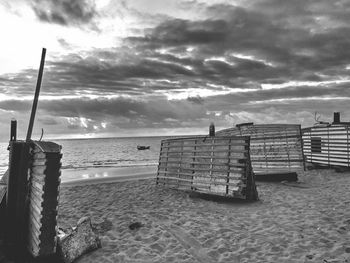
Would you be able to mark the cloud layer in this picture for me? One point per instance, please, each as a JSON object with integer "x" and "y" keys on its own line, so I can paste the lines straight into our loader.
{"x": 64, "y": 12}
{"x": 182, "y": 67}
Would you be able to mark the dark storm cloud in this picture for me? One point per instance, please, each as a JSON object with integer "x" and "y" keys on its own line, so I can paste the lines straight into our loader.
{"x": 64, "y": 43}
{"x": 197, "y": 99}
{"x": 297, "y": 50}
{"x": 229, "y": 24}
{"x": 243, "y": 32}
{"x": 281, "y": 47}
{"x": 65, "y": 12}
{"x": 181, "y": 31}
{"x": 103, "y": 77}
{"x": 47, "y": 121}
{"x": 152, "y": 110}
{"x": 15, "y": 105}
{"x": 87, "y": 115}
{"x": 239, "y": 101}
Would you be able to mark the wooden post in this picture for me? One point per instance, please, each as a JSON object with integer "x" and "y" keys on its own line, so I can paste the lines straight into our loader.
{"x": 211, "y": 130}
{"x": 13, "y": 135}
{"x": 36, "y": 96}
{"x": 16, "y": 198}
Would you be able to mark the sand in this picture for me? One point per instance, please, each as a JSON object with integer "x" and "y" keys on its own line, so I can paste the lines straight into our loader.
{"x": 303, "y": 222}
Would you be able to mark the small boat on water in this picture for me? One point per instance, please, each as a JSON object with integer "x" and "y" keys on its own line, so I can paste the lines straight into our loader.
{"x": 142, "y": 147}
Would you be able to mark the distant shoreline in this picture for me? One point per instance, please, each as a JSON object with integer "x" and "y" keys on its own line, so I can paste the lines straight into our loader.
{"x": 103, "y": 138}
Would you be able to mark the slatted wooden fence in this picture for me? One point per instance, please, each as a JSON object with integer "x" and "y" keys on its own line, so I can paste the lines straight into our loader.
{"x": 3, "y": 190}
{"x": 327, "y": 145}
{"x": 211, "y": 165}
{"x": 16, "y": 198}
{"x": 43, "y": 198}
{"x": 274, "y": 148}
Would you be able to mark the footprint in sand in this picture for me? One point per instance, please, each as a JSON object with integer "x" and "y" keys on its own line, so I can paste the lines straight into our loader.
{"x": 188, "y": 242}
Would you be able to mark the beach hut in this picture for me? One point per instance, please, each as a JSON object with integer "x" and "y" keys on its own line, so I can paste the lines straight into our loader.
{"x": 327, "y": 144}
{"x": 208, "y": 165}
{"x": 275, "y": 149}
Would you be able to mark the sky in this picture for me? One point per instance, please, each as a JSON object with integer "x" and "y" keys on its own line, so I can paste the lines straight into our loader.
{"x": 166, "y": 67}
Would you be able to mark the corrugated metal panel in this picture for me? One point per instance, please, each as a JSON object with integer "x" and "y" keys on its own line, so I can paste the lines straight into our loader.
{"x": 327, "y": 145}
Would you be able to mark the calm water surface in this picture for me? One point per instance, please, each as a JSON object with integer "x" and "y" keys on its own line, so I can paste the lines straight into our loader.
{"x": 101, "y": 152}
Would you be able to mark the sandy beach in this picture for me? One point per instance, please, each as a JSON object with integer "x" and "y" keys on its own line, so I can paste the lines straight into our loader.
{"x": 304, "y": 222}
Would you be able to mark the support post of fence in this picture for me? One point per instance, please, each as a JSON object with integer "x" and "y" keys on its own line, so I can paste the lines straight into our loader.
{"x": 336, "y": 118}
{"x": 16, "y": 198}
{"x": 211, "y": 130}
{"x": 13, "y": 134}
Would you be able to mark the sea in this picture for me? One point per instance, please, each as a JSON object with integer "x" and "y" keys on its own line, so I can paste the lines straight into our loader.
{"x": 101, "y": 152}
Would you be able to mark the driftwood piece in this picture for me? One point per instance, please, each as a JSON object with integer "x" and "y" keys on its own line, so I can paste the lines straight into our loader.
{"x": 78, "y": 242}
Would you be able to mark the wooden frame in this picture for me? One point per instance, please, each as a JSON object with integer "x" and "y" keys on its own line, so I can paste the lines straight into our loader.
{"x": 44, "y": 184}
{"x": 211, "y": 165}
{"x": 274, "y": 148}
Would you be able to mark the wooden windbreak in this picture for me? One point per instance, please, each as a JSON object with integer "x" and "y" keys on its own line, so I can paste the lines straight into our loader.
{"x": 274, "y": 148}
{"x": 327, "y": 145}
{"x": 43, "y": 198}
{"x": 16, "y": 197}
{"x": 211, "y": 165}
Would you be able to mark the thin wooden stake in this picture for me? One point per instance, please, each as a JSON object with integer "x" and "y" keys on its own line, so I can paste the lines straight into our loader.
{"x": 36, "y": 96}
{"x": 13, "y": 135}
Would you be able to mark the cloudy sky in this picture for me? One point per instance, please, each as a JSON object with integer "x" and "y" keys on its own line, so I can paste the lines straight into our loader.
{"x": 141, "y": 67}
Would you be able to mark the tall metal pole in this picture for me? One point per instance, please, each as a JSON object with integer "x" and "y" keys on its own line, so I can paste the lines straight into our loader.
{"x": 36, "y": 96}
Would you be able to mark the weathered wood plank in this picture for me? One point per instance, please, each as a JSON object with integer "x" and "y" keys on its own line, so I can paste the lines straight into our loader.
{"x": 232, "y": 176}
{"x": 208, "y": 182}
